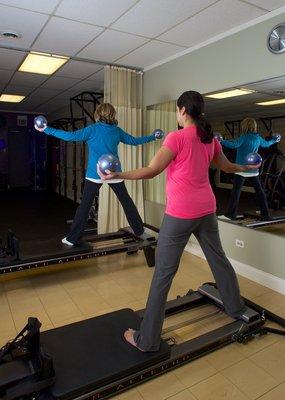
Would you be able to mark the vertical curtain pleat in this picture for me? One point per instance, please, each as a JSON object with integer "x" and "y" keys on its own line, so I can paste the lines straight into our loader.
{"x": 162, "y": 116}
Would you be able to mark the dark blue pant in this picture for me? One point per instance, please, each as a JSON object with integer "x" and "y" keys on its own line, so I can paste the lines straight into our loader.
{"x": 236, "y": 191}
{"x": 91, "y": 189}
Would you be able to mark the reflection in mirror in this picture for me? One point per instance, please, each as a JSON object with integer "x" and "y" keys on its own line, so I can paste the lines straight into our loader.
{"x": 263, "y": 102}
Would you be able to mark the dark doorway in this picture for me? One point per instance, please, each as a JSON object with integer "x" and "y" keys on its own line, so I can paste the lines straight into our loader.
{"x": 19, "y": 158}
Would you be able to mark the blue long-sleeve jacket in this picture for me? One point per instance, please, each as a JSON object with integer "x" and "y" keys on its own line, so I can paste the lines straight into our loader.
{"x": 247, "y": 143}
{"x": 101, "y": 139}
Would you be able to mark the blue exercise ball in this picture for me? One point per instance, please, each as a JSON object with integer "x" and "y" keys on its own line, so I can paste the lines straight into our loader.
{"x": 40, "y": 122}
{"x": 108, "y": 162}
{"x": 158, "y": 133}
{"x": 253, "y": 159}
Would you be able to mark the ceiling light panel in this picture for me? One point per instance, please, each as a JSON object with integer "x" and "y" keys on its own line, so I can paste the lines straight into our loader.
{"x": 271, "y": 102}
{"x": 42, "y": 63}
{"x": 11, "y": 98}
{"x": 229, "y": 93}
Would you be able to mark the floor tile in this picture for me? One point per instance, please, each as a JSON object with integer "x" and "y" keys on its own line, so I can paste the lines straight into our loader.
{"x": 224, "y": 358}
{"x": 278, "y": 393}
{"x": 272, "y": 360}
{"x": 217, "y": 387}
{"x": 194, "y": 372}
{"x": 184, "y": 395}
{"x": 132, "y": 394}
{"x": 161, "y": 387}
{"x": 250, "y": 379}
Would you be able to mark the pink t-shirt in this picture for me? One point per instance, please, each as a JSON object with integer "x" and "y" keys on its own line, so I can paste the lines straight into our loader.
{"x": 188, "y": 190}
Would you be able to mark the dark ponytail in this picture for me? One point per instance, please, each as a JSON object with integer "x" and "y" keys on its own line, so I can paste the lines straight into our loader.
{"x": 194, "y": 107}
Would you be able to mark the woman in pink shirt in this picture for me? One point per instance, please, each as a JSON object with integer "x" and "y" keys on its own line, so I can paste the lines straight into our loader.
{"x": 186, "y": 155}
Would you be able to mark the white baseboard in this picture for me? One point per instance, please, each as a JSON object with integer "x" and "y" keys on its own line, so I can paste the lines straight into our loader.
{"x": 263, "y": 278}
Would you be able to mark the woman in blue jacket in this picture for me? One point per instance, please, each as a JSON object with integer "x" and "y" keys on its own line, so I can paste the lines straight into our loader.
{"x": 103, "y": 137}
{"x": 248, "y": 142}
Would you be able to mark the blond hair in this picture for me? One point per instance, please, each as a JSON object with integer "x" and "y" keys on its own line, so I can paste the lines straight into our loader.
{"x": 248, "y": 125}
{"x": 105, "y": 112}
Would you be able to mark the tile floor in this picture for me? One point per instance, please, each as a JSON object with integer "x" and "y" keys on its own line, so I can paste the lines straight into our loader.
{"x": 74, "y": 292}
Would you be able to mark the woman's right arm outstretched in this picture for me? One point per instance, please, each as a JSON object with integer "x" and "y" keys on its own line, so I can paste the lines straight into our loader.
{"x": 233, "y": 144}
{"x": 75, "y": 136}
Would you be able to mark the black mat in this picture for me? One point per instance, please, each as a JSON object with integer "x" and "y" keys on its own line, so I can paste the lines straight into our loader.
{"x": 93, "y": 353}
{"x": 52, "y": 248}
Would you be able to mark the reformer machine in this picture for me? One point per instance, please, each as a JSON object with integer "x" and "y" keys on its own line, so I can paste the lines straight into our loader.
{"x": 255, "y": 221}
{"x": 122, "y": 241}
{"x": 90, "y": 359}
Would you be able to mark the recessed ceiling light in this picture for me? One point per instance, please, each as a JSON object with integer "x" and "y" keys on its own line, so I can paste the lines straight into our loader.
{"x": 42, "y": 63}
{"x": 11, "y": 98}
{"x": 10, "y": 35}
{"x": 229, "y": 93}
{"x": 271, "y": 102}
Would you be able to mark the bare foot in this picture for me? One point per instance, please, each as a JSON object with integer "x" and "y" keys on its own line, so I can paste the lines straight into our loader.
{"x": 129, "y": 337}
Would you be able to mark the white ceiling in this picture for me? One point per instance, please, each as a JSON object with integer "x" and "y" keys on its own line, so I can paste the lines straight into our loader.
{"x": 242, "y": 106}
{"x": 135, "y": 33}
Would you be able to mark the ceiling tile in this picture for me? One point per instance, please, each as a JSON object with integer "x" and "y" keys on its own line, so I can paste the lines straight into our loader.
{"x": 46, "y": 6}
{"x": 61, "y": 36}
{"x": 98, "y": 76}
{"x": 57, "y": 102}
{"x": 232, "y": 13}
{"x": 53, "y": 105}
{"x": 28, "y": 79}
{"x": 18, "y": 89}
{"x": 98, "y": 12}
{"x": 78, "y": 69}
{"x": 5, "y": 75}
{"x": 26, "y": 23}
{"x": 30, "y": 103}
{"x": 151, "y": 18}
{"x": 7, "y": 106}
{"x": 268, "y": 86}
{"x": 46, "y": 93}
{"x": 243, "y": 106}
{"x": 150, "y": 53}
{"x": 89, "y": 86}
{"x": 268, "y": 4}
{"x": 10, "y": 59}
{"x": 59, "y": 82}
{"x": 111, "y": 45}
{"x": 67, "y": 94}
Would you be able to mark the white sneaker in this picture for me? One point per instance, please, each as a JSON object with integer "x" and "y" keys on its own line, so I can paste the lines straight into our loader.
{"x": 224, "y": 217}
{"x": 144, "y": 236}
{"x": 65, "y": 241}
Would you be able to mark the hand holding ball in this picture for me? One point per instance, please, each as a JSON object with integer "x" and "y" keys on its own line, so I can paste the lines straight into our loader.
{"x": 108, "y": 162}
{"x": 158, "y": 133}
{"x": 40, "y": 123}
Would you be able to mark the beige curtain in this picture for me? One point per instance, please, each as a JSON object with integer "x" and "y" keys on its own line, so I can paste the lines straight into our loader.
{"x": 162, "y": 116}
{"x": 123, "y": 89}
